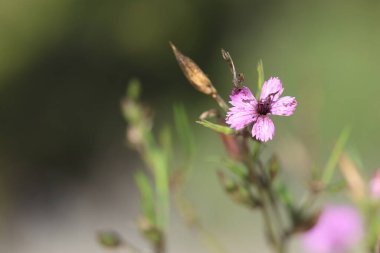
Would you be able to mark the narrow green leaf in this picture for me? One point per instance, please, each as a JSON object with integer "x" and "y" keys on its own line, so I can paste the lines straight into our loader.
{"x": 165, "y": 139}
{"x": 183, "y": 128}
{"x": 261, "y": 77}
{"x": 147, "y": 197}
{"x": 237, "y": 168}
{"x": 334, "y": 157}
{"x": 216, "y": 127}
{"x": 161, "y": 179}
{"x": 133, "y": 89}
{"x": 283, "y": 193}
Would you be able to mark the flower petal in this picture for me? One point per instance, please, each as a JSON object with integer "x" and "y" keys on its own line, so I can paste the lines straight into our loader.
{"x": 242, "y": 96}
{"x": 338, "y": 229}
{"x": 272, "y": 86}
{"x": 263, "y": 129}
{"x": 285, "y": 106}
{"x": 243, "y": 112}
{"x": 240, "y": 117}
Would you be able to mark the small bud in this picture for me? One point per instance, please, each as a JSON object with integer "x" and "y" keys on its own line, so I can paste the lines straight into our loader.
{"x": 236, "y": 192}
{"x": 316, "y": 187}
{"x": 193, "y": 73}
{"x": 134, "y": 89}
{"x": 374, "y": 186}
{"x": 303, "y": 222}
{"x": 231, "y": 146}
{"x": 110, "y": 239}
{"x": 273, "y": 167}
{"x": 149, "y": 230}
{"x": 134, "y": 135}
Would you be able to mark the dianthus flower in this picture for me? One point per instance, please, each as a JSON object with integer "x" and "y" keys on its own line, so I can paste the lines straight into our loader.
{"x": 337, "y": 230}
{"x": 247, "y": 110}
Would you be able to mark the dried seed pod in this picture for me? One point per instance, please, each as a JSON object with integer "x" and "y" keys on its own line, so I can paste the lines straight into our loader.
{"x": 193, "y": 73}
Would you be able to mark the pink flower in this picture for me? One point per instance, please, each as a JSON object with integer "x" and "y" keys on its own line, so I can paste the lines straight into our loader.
{"x": 374, "y": 185}
{"x": 246, "y": 109}
{"x": 336, "y": 231}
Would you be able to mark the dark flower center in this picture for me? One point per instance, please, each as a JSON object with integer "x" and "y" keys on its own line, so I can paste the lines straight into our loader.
{"x": 263, "y": 107}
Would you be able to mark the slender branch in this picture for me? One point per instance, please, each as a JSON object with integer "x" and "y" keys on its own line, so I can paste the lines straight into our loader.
{"x": 237, "y": 78}
{"x": 269, "y": 207}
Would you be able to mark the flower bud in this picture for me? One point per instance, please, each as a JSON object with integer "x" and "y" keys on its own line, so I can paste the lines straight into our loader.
{"x": 231, "y": 146}
{"x": 193, "y": 73}
{"x": 149, "y": 230}
{"x": 236, "y": 192}
{"x": 109, "y": 239}
{"x": 273, "y": 167}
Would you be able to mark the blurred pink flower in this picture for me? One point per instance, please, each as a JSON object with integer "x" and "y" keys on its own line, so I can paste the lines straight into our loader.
{"x": 337, "y": 230}
{"x": 246, "y": 109}
{"x": 374, "y": 185}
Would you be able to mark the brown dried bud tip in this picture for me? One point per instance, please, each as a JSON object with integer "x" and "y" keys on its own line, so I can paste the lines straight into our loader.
{"x": 193, "y": 73}
{"x": 212, "y": 113}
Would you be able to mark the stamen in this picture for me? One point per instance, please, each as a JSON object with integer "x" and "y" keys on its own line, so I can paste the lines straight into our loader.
{"x": 263, "y": 107}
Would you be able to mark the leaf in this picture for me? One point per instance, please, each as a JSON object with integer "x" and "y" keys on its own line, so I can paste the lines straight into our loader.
{"x": 147, "y": 197}
{"x": 134, "y": 88}
{"x": 165, "y": 140}
{"x": 183, "y": 129}
{"x": 283, "y": 193}
{"x": 261, "y": 77}
{"x": 334, "y": 157}
{"x": 218, "y": 128}
{"x": 161, "y": 179}
{"x": 237, "y": 168}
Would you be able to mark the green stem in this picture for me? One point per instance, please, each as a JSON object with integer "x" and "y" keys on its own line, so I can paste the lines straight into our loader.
{"x": 269, "y": 207}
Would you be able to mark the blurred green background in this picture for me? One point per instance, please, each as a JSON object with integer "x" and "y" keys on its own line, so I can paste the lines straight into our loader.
{"x": 64, "y": 66}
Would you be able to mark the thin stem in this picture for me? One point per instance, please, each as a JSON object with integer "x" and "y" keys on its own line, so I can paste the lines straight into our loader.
{"x": 159, "y": 246}
{"x": 267, "y": 219}
{"x": 237, "y": 79}
{"x": 269, "y": 207}
{"x": 228, "y": 59}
